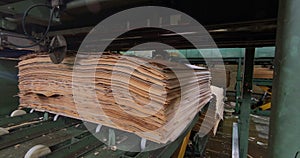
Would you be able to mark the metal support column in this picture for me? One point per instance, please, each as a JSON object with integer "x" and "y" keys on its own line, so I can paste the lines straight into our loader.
{"x": 246, "y": 101}
{"x": 284, "y": 126}
{"x": 238, "y": 86}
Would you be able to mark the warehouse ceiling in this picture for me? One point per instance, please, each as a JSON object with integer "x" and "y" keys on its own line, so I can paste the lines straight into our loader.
{"x": 232, "y": 23}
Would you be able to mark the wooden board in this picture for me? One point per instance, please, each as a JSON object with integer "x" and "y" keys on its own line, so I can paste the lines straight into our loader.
{"x": 117, "y": 91}
{"x": 263, "y": 73}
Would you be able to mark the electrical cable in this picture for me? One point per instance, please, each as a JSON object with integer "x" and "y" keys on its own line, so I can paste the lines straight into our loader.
{"x": 52, "y": 11}
{"x": 26, "y": 14}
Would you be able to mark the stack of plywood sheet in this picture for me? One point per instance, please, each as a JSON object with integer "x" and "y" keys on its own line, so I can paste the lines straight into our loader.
{"x": 263, "y": 73}
{"x": 153, "y": 99}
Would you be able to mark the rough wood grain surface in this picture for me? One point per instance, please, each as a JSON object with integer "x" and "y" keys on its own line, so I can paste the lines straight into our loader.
{"x": 156, "y": 100}
{"x": 263, "y": 73}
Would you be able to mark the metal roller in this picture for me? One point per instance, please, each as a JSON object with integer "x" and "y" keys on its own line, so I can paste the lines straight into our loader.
{"x": 37, "y": 151}
{"x": 17, "y": 113}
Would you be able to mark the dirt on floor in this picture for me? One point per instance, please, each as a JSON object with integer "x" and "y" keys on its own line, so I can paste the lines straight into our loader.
{"x": 219, "y": 146}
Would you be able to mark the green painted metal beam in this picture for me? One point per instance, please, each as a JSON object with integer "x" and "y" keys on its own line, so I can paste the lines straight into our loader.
{"x": 238, "y": 86}
{"x": 284, "y": 126}
{"x": 263, "y": 52}
{"x": 261, "y": 112}
{"x": 245, "y": 109}
{"x": 262, "y": 82}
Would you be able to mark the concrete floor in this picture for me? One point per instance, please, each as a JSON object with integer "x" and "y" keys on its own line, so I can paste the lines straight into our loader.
{"x": 219, "y": 146}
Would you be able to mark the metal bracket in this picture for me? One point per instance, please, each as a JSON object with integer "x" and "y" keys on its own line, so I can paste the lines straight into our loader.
{"x": 60, "y": 5}
{"x": 46, "y": 116}
{"x": 31, "y": 111}
{"x": 143, "y": 144}
{"x": 98, "y": 128}
{"x": 111, "y": 137}
{"x": 55, "y": 117}
{"x": 57, "y": 49}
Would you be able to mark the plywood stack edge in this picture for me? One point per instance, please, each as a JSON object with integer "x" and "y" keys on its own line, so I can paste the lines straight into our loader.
{"x": 146, "y": 99}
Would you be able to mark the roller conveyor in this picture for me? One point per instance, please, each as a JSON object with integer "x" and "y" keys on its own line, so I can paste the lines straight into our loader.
{"x": 68, "y": 137}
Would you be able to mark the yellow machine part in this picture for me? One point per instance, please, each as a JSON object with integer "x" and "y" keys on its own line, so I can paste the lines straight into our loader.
{"x": 266, "y": 89}
{"x": 267, "y": 105}
{"x": 181, "y": 150}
